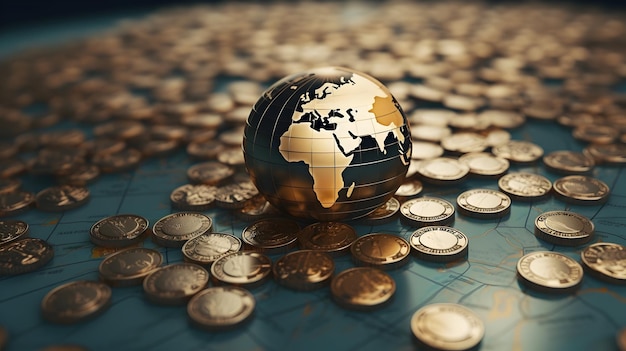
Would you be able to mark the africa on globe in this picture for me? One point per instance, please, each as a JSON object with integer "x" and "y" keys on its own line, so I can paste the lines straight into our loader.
{"x": 327, "y": 144}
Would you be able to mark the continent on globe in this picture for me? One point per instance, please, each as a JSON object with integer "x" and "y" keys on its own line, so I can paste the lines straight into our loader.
{"x": 343, "y": 128}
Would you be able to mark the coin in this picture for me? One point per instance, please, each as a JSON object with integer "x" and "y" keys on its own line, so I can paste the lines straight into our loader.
{"x": 525, "y": 186}
{"x": 464, "y": 142}
{"x": 271, "y": 235}
{"x": 75, "y": 301}
{"x": 380, "y": 250}
{"x": 581, "y": 190}
{"x": 549, "y": 272}
{"x": 485, "y": 164}
{"x": 205, "y": 248}
{"x": 621, "y": 339}
{"x": 333, "y": 238}
{"x": 429, "y": 133}
{"x": 483, "y": 203}
{"x": 176, "y": 228}
{"x": 15, "y": 202}
{"x": 568, "y": 162}
{"x": 362, "y": 288}
{"x": 80, "y": 176}
{"x": 232, "y": 156}
{"x": 410, "y": 188}
{"x": 439, "y": 243}
{"x": 11, "y": 230}
{"x": 503, "y": 118}
{"x": 120, "y": 161}
{"x": 9, "y": 185}
{"x": 595, "y": 133}
{"x": 205, "y": 150}
{"x": 610, "y": 154}
{"x": 243, "y": 268}
{"x": 426, "y": 211}
{"x": 235, "y": 195}
{"x": 605, "y": 261}
{"x": 442, "y": 170}
{"x": 24, "y": 255}
{"x": 119, "y": 230}
{"x": 447, "y": 326}
{"x": 221, "y": 307}
{"x": 304, "y": 270}
{"x": 422, "y": 150}
{"x": 384, "y": 213}
{"x": 190, "y": 197}
{"x": 129, "y": 266}
{"x": 62, "y": 198}
{"x": 518, "y": 151}
{"x": 175, "y": 284}
{"x": 564, "y": 228}
{"x": 256, "y": 208}
{"x": 210, "y": 172}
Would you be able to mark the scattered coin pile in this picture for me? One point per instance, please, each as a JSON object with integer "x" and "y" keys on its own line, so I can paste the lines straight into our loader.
{"x": 465, "y": 74}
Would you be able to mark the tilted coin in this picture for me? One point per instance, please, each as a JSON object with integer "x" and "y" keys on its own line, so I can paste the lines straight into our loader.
{"x": 11, "y": 230}
{"x": 256, "y": 208}
{"x": 484, "y": 164}
{"x": 568, "y": 162}
{"x": 210, "y": 172}
{"x": 119, "y": 230}
{"x": 518, "y": 151}
{"x": 304, "y": 270}
{"x": 75, "y": 301}
{"x": 483, "y": 203}
{"x": 243, "y": 268}
{"x": 15, "y": 202}
{"x": 176, "y": 228}
{"x": 24, "y": 255}
{"x": 610, "y": 154}
{"x": 439, "y": 243}
{"x": 525, "y": 186}
{"x": 205, "y": 248}
{"x": 381, "y": 250}
{"x": 581, "y": 190}
{"x": 410, "y": 188}
{"x": 447, "y": 326}
{"x": 442, "y": 170}
{"x": 605, "y": 261}
{"x": 190, "y": 197}
{"x": 61, "y": 198}
{"x": 362, "y": 288}
{"x": 425, "y": 211}
{"x": 595, "y": 133}
{"x": 221, "y": 307}
{"x": 549, "y": 272}
{"x": 129, "y": 266}
{"x": 564, "y": 228}
{"x": 383, "y": 214}
{"x": 175, "y": 284}
{"x": 271, "y": 235}
{"x": 333, "y": 238}
{"x": 235, "y": 195}
{"x": 464, "y": 142}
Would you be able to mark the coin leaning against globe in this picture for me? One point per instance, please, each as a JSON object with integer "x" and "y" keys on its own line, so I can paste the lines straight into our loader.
{"x": 316, "y": 144}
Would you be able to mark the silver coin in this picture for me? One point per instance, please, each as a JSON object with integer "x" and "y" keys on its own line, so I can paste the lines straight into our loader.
{"x": 464, "y": 142}
{"x": 439, "y": 243}
{"x": 175, "y": 229}
{"x": 581, "y": 190}
{"x": 483, "y": 203}
{"x": 485, "y": 164}
{"x": 410, "y": 188}
{"x": 550, "y": 272}
{"x": 609, "y": 154}
{"x": 423, "y": 150}
{"x": 525, "y": 186}
{"x": 425, "y": 211}
{"x": 568, "y": 162}
{"x": 447, "y": 326}
{"x": 442, "y": 170}
{"x": 518, "y": 151}
{"x": 564, "y": 228}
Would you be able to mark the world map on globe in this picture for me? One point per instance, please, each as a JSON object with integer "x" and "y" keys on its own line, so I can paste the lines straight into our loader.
{"x": 327, "y": 143}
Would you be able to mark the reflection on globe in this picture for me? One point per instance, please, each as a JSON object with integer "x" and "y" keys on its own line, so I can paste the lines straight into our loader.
{"x": 327, "y": 144}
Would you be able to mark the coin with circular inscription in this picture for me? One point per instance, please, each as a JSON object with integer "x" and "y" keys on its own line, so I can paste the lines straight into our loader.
{"x": 11, "y": 230}
{"x": 119, "y": 230}
{"x": 442, "y": 170}
{"x": 210, "y": 172}
{"x": 176, "y": 228}
{"x": 447, "y": 326}
{"x": 24, "y": 255}
{"x": 244, "y": 268}
{"x": 304, "y": 270}
{"x": 15, "y": 202}
{"x": 175, "y": 284}
{"x": 205, "y": 248}
{"x": 362, "y": 288}
{"x": 564, "y": 228}
{"x": 61, "y": 198}
{"x": 235, "y": 195}
{"x": 483, "y": 203}
{"x": 606, "y": 261}
{"x": 333, "y": 238}
{"x": 221, "y": 307}
{"x": 380, "y": 250}
{"x": 426, "y": 211}
{"x": 549, "y": 272}
{"x": 581, "y": 190}
{"x": 271, "y": 235}
{"x": 484, "y": 164}
{"x": 568, "y": 162}
{"x": 193, "y": 197}
{"x": 525, "y": 186}
{"x": 75, "y": 301}
{"x": 129, "y": 266}
{"x": 383, "y": 214}
{"x": 518, "y": 151}
{"x": 439, "y": 243}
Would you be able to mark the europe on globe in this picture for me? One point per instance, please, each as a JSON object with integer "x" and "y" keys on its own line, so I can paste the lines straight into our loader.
{"x": 327, "y": 144}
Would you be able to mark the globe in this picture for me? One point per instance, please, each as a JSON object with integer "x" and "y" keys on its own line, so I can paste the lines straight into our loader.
{"x": 327, "y": 144}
